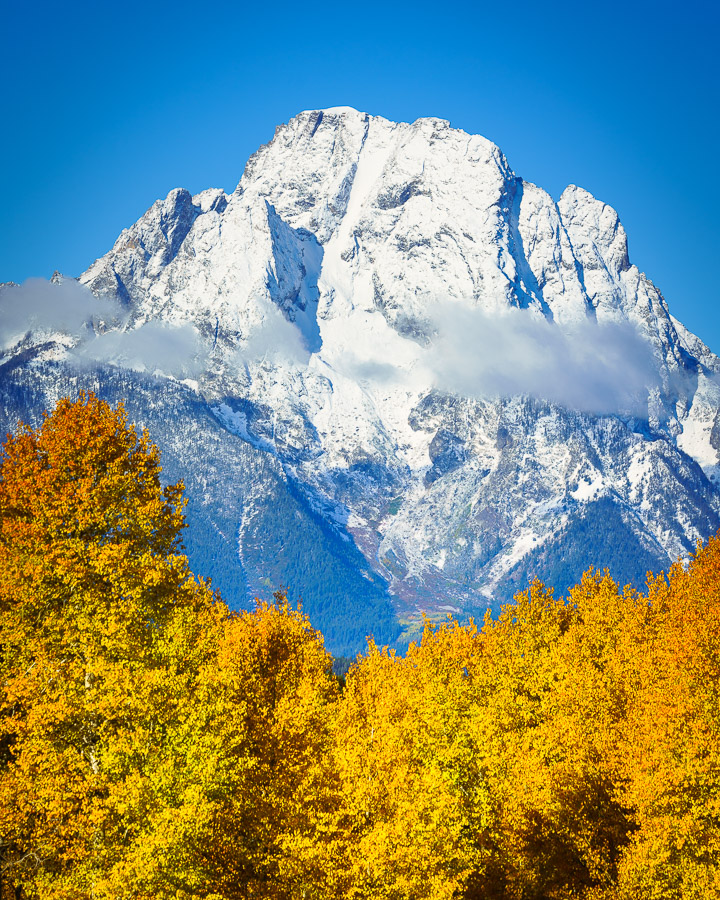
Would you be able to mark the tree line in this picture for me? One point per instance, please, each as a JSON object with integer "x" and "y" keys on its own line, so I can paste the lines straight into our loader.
{"x": 155, "y": 744}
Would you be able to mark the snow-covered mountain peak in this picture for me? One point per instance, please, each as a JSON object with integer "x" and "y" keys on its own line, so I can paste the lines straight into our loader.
{"x": 591, "y": 220}
{"x": 335, "y": 111}
{"x": 449, "y": 365}
{"x": 350, "y": 219}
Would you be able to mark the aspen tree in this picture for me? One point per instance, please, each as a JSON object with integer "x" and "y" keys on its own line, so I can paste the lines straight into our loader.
{"x": 101, "y": 627}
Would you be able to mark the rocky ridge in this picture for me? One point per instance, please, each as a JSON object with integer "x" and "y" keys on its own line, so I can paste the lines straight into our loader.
{"x": 455, "y": 378}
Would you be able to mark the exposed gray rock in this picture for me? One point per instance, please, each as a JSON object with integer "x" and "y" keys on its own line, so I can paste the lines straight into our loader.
{"x": 415, "y": 376}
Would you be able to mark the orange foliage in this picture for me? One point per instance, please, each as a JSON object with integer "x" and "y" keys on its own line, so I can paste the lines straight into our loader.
{"x": 154, "y": 745}
{"x": 673, "y": 737}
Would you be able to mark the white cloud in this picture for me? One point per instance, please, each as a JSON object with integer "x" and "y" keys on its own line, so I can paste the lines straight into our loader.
{"x": 69, "y": 307}
{"x": 37, "y": 304}
{"x": 276, "y": 340}
{"x": 152, "y": 347}
{"x": 597, "y": 368}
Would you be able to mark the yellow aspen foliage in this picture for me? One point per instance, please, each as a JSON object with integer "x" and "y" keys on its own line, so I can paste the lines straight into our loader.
{"x": 100, "y": 623}
{"x": 673, "y": 737}
{"x": 485, "y": 764}
{"x": 277, "y": 693}
{"x": 545, "y": 731}
{"x": 258, "y": 796}
{"x": 585, "y": 730}
{"x": 517, "y": 679}
{"x": 155, "y": 745}
{"x": 405, "y": 767}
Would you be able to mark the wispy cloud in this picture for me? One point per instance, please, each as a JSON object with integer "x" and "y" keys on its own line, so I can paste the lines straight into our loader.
{"x": 591, "y": 367}
{"x": 152, "y": 347}
{"x": 37, "y": 304}
{"x": 100, "y": 325}
{"x": 276, "y": 340}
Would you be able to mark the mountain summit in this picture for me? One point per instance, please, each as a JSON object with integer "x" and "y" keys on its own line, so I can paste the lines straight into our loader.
{"x": 394, "y": 376}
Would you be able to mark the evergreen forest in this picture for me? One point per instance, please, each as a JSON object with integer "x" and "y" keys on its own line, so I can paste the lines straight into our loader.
{"x": 156, "y": 744}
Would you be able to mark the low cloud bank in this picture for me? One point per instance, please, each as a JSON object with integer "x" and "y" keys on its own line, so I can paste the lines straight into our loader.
{"x": 37, "y": 304}
{"x": 71, "y": 308}
{"x": 100, "y": 329}
{"x": 276, "y": 340}
{"x": 155, "y": 346}
{"x": 591, "y": 367}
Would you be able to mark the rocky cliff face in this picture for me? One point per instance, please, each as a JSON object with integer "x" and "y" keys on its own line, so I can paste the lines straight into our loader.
{"x": 446, "y": 381}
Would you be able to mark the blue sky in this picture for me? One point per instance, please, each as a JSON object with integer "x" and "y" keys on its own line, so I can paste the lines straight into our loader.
{"x": 107, "y": 107}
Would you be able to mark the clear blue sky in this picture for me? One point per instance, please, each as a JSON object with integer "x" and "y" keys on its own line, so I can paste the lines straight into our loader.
{"x": 106, "y": 107}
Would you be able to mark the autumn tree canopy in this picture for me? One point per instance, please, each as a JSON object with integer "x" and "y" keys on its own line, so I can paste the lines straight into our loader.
{"x": 155, "y": 745}
{"x": 101, "y": 623}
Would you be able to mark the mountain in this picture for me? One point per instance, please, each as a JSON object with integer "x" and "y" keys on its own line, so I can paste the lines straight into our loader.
{"x": 394, "y": 376}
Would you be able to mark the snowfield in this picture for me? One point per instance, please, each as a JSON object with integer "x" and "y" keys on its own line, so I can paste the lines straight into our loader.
{"x": 446, "y": 376}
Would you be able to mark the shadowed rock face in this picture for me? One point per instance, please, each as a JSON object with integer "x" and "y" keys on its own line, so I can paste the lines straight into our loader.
{"x": 443, "y": 377}
{"x": 447, "y": 453}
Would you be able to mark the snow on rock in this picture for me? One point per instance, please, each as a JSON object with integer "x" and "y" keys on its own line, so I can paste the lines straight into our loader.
{"x": 320, "y": 287}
